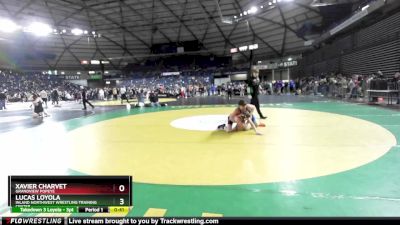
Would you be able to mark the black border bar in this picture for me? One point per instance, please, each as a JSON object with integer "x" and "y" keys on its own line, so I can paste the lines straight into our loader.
{"x": 205, "y": 220}
{"x": 9, "y": 191}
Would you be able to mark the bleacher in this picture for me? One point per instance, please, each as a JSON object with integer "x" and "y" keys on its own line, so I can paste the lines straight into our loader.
{"x": 22, "y": 85}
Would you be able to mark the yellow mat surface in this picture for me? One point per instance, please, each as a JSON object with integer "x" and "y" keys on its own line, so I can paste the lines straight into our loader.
{"x": 296, "y": 144}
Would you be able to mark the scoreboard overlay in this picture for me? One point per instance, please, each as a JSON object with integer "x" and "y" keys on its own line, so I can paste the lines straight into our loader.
{"x": 69, "y": 194}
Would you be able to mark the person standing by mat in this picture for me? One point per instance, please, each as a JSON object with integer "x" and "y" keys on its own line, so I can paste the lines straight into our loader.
{"x": 54, "y": 97}
{"x": 3, "y": 98}
{"x": 254, "y": 84}
{"x": 124, "y": 95}
{"x": 43, "y": 95}
{"x": 84, "y": 99}
{"x": 154, "y": 99}
{"x": 37, "y": 104}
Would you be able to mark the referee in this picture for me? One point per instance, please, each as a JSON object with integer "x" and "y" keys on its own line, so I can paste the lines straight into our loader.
{"x": 84, "y": 99}
{"x": 254, "y": 84}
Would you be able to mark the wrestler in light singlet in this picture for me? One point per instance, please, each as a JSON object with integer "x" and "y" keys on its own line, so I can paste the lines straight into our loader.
{"x": 243, "y": 117}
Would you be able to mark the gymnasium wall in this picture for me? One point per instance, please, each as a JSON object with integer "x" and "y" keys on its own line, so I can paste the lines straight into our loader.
{"x": 220, "y": 81}
{"x": 365, "y": 51}
{"x": 79, "y": 82}
{"x": 238, "y": 77}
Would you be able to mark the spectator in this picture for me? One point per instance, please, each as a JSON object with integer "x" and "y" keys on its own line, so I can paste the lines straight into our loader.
{"x": 124, "y": 95}
{"x": 54, "y": 97}
{"x": 141, "y": 98}
{"x": 3, "y": 99}
{"x": 154, "y": 99}
{"x": 43, "y": 96}
{"x": 101, "y": 94}
{"x": 37, "y": 104}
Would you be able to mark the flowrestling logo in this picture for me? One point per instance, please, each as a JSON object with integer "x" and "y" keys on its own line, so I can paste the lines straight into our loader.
{"x": 34, "y": 220}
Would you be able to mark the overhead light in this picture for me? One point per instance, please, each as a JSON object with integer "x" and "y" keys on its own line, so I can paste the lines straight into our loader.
{"x": 235, "y": 17}
{"x": 245, "y": 13}
{"x": 106, "y": 72}
{"x": 77, "y": 31}
{"x": 62, "y": 72}
{"x": 84, "y": 62}
{"x": 85, "y": 32}
{"x": 79, "y": 73}
{"x": 64, "y": 31}
{"x": 95, "y": 62}
{"x": 241, "y": 14}
{"x": 252, "y": 10}
{"x": 289, "y": 59}
{"x": 234, "y": 50}
{"x": 92, "y": 72}
{"x": 365, "y": 7}
{"x": 243, "y": 48}
{"x": 39, "y": 29}
{"x": 93, "y": 32}
{"x": 269, "y": 3}
{"x": 308, "y": 43}
{"x": 105, "y": 62}
{"x": 274, "y": 1}
{"x": 8, "y": 26}
{"x": 253, "y": 46}
{"x": 262, "y": 6}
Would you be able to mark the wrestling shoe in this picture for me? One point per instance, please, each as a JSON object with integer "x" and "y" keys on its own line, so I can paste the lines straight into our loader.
{"x": 221, "y": 127}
